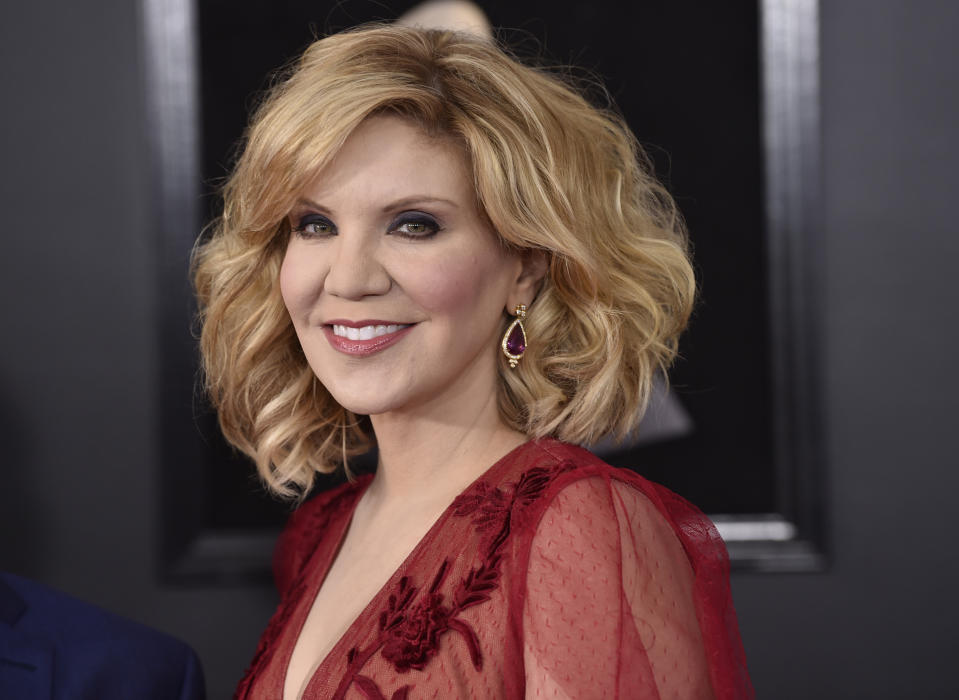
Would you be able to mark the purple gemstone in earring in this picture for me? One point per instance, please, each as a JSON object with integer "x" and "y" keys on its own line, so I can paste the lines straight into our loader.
{"x": 516, "y": 342}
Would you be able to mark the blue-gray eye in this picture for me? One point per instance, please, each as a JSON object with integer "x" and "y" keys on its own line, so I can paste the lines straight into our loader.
{"x": 415, "y": 225}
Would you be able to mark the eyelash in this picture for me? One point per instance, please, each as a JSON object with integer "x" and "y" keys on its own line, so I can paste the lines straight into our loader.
{"x": 313, "y": 220}
{"x": 415, "y": 219}
{"x": 405, "y": 219}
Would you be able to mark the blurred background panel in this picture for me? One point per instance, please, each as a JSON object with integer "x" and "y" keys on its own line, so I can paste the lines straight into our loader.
{"x": 79, "y": 362}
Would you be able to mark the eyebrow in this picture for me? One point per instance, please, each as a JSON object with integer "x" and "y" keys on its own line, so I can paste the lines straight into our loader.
{"x": 392, "y": 206}
{"x": 417, "y": 199}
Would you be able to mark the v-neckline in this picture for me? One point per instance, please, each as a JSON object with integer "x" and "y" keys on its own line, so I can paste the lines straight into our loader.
{"x": 347, "y": 518}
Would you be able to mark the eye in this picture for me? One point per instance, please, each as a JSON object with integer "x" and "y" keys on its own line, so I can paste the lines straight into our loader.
{"x": 415, "y": 225}
{"x": 314, "y": 226}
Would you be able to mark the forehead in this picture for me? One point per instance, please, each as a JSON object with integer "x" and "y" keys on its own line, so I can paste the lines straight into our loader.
{"x": 391, "y": 157}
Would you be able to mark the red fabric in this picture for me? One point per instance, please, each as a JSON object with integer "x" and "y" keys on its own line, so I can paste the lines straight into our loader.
{"x": 553, "y": 575}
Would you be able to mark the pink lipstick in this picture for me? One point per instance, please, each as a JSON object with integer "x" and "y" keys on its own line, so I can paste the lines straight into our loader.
{"x": 363, "y": 338}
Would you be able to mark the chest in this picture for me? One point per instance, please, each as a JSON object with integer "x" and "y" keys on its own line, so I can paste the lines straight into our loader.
{"x": 370, "y": 554}
{"x": 397, "y": 612}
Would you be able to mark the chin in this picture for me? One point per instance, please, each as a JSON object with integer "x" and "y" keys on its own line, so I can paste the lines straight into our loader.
{"x": 380, "y": 397}
{"x": 364, "y": 408}
{"x": 364, "y": 403}
{"x": 360, "y": 405}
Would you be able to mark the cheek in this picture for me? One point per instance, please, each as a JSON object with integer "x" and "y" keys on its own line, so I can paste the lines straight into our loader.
{"x": 299, "y": 280}
{"x": 456, "y": 283}
{"x": 448, "y": 284}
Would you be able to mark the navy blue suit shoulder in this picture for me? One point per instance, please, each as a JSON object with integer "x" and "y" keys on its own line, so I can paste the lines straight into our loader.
{"x": 53, "y": 646}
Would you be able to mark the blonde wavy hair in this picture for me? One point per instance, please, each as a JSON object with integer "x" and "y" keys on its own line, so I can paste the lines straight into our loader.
{"x": 552, "y": 173}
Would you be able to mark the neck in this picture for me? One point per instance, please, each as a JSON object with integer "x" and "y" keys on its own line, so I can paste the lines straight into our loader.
{"x": 433, "y": 453}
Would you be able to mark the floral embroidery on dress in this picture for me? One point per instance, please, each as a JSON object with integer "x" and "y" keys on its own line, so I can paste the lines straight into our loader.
{"x": 411, "y": 633}
{"x": 372, "y": 691}
{"x": 414, "y": 641}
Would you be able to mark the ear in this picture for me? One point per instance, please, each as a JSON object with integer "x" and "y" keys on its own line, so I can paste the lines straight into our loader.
{"x": 533, "y": 266}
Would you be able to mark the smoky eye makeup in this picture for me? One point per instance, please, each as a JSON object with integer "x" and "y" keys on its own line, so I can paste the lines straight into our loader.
{"x": 412, "y": 225}
{"x": 415, "y": 225}
{"x": 313, "y": 226}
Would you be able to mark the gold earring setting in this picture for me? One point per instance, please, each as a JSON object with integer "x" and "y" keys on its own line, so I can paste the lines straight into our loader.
{"x": 514, "y": 340}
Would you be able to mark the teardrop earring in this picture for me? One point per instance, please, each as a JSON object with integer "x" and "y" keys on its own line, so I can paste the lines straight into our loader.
{"x": 514, "y": 340}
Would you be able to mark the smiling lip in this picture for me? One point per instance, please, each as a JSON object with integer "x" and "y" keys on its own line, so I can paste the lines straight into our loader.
{"x": 361, "y": 348}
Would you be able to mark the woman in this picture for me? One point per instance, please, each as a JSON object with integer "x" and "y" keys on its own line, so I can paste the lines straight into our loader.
{"x": 429, "y": 247}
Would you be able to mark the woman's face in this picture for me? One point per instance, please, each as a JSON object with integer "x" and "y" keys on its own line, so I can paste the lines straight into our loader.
{"x": 395, "y": 284}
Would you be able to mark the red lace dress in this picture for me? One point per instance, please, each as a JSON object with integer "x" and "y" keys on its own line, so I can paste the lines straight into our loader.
{"x": 553, "y": 575}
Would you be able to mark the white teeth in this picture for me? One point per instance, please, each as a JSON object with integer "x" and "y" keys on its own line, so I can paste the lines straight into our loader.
{"x": 366, "y": 332}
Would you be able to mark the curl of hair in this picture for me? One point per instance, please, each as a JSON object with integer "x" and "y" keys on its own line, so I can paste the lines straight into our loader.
{"x": 552, "y": 173}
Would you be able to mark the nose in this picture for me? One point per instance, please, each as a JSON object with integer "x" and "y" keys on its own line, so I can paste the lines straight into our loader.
{"x": 356, "y": 270}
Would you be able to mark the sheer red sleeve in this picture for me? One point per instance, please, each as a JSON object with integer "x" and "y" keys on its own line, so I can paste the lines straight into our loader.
{"x": 626, "y": 596}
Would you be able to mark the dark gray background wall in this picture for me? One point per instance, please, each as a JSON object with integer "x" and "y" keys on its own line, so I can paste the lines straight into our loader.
{"x": 78, "y": 393}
